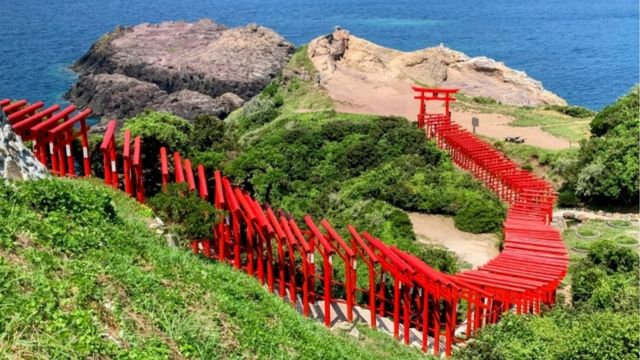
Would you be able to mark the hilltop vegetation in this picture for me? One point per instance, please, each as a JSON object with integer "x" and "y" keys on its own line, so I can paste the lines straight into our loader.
{"x": 291, "y": 150}
{"x": 83, "y": 276}
{"x": 605, "y": 171}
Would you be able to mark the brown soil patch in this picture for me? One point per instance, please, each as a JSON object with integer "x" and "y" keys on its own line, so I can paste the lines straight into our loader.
{"x": 476, "y": 249}
{"x": 356, "y": 92}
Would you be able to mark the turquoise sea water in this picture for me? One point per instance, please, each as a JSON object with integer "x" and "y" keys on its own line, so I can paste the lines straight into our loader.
{"x": 586, "y": 51}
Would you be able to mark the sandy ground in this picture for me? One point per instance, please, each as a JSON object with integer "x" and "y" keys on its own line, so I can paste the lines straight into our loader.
{"x": 371, "y": 93}
{"x": 476, "y": 249}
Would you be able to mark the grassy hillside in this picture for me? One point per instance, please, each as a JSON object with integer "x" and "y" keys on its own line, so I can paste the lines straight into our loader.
{"x": 83, "y": 276}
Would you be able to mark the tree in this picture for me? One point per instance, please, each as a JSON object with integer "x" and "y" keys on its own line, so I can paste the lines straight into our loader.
{"x": 606, "y": 169}
{"x": 624, "y": 109}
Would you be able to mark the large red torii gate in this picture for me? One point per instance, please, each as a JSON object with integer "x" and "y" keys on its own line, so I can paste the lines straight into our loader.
{"x": 433, "y": 94}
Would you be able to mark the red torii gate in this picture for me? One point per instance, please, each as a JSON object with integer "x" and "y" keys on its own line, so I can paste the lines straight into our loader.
{"x": 433, "y": 94}
{"x": 53, "y": 128}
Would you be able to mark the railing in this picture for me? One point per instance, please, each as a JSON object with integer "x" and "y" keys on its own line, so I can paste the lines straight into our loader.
{"x": 280, "y": 251}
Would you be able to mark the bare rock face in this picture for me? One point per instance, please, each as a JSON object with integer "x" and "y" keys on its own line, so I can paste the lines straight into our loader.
{"x": 186, "y": 68}
{"x": 118, "y": 96}
{"x": 16, "y": 161}
{"x": 437, "y": 66}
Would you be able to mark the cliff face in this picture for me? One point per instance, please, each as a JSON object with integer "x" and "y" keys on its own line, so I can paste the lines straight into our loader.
{"x": 437, "y": 66}
{"x": 186, "y": 68}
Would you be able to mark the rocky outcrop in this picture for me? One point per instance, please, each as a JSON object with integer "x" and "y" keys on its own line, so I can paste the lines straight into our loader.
{"x": 185, "y": 68}
{"x": 118, "y": 96}
{"x": 437, "y": 66}
{"x": 16, "y": 161}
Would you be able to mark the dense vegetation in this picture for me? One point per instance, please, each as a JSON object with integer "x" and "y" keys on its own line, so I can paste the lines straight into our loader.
{"x": 82, "y": 276}
{"x": 602, "y": 322}
{"x": 363, "y": 170}
{"x": 605, "y": 171}
{"x": 185, "y": 214}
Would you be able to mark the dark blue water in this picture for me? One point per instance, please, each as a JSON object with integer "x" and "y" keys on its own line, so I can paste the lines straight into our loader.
{"x": 586, "y": 51}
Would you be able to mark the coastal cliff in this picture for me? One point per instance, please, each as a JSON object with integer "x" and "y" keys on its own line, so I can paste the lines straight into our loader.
{"x": 341, "y": 57}
{"x": 184, "y": 68}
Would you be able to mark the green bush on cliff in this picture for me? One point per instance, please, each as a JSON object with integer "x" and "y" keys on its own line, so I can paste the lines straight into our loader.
{"x": 605, "y": 171}
{"x": 624, "y": 109}
{"x": 160, "y": 129}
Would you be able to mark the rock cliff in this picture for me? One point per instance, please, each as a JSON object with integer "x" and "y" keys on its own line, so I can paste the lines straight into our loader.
{"x": 185, "y": 68}
{"x": 437, "y": 66}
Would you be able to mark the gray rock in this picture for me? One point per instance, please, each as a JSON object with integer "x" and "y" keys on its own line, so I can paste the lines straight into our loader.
{"x": 186, "y": 68}
{"x": 569, "y": 215}
{"x": 581, "y": 217}
{"x": 16, "y": 161}
{"x": 117, "y": 96}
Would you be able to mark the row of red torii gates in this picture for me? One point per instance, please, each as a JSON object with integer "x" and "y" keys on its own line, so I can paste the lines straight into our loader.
{"x": 280, "y": 251}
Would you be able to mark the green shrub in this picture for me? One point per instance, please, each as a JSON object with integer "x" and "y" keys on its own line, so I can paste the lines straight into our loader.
{"x": 190, "y": 216}
{"x": 256, "y": 112}
{"x": 607, "y": 278}
{"x": 613, "y": 257}
{"x": 208, "y": 133}
{"x": 567, "y": 198}
{"x": 158, "y": 129}
{"x": 584, "y": 279}
{"x": 484, "y": 100}
{"x": 617, "y": 292}
{"x": 478, "y": 216}
{"x": 606, "y": 169}
{"x": 560, "y": 334}
{"x": 626, "y": 108}
{"x": 571, "y": 110}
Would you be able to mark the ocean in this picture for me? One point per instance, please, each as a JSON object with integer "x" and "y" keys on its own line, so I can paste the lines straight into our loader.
{"x": 586, "y": 51}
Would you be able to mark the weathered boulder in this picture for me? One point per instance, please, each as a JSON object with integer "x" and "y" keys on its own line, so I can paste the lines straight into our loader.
{"x": 189, "y": 68}
{"x": 17, "y": 162}
{"x": 437, "y": 66}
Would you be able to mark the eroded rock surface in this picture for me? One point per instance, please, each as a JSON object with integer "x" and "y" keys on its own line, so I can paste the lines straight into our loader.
{"x": 186, "y": 68}
{"x": 437, "y": 66}
{"x": 17, "y": 162}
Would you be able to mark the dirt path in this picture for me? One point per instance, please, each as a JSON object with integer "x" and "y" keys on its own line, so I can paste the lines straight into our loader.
{"x": 372, "y": 93}
{"x": 475, "y": 249}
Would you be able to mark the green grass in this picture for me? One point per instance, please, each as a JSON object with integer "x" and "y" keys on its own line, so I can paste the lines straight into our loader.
{"x": 300, "y": 92}
{"x": 550, "y": 121}
{"x": 623, "y": 235}
{"x": 77, "y": 283}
